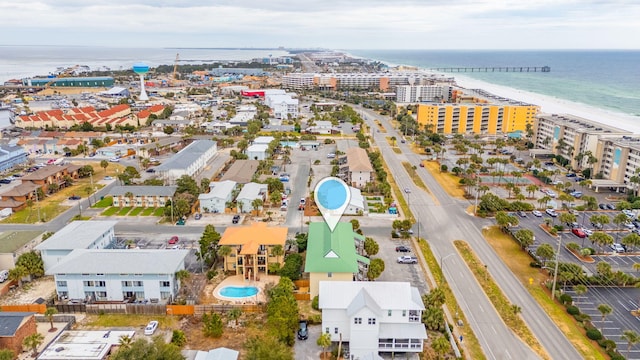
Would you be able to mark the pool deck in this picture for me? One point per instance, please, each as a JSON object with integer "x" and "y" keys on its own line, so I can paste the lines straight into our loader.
{"x": 238, "y": 280}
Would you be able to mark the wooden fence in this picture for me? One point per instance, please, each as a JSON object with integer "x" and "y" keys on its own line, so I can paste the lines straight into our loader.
{"x": 202, "y": 309}
{"x": 301, "y": 283}
{"x": 71, "y": 308}
{"x": 38, "y": 308}
{"x": 142, "y": 309}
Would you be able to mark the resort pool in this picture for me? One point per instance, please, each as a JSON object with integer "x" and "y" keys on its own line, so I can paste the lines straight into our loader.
{"x": 238, "y": 291}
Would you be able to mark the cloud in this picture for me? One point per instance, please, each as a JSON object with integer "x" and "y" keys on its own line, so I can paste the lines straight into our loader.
{"x": 329, "y": 23}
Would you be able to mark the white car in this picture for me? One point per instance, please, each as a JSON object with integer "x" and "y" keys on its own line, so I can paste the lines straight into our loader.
{"x": 587, "y": 232}
{"x": 114, "y": 159}
{"x": 331, "y": 155}
{"x": 151, "y": 327}
{"x": 536, "y": 213}
{"x": 617, "y": 248}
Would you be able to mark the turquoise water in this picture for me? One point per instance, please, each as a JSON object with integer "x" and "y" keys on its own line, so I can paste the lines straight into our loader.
{"x": 606, "y": 79}
{"x": 238, "y": 292}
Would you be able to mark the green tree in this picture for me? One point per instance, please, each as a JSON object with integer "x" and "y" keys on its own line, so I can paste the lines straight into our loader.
{"x": 187, "y": 184}
{"x": 631, "y": 241}
{"x": 524, "y": 237}
{"x": 282, "y": 311}
{"x": 277, "y": 251}
{"x": 223, "y": 252}
{"x": 143, "y": 349}
{"x": 49, "y": 314}
{"x": 604, "y": 310}
{"x": 256, "y": 204}
{"x": 208, "y": 245}
{"x": 376, "y": 267}
{"x": 545, "y": 252}
{"x": 32, "y": 262}
{"x": 17, "y": 273}
{"x": 267, "y": 348}
{"x": 6, "y": 354}
{"x": 212, "y": 325}
{"x": 601, "y": 239}
{"x": 371, "y": 246}
{"x": 32, "y": 342}
{"x": 104, "y": 164}
{"x": 441, "y": 346}
{"x": 125, "y": 341}
{"x": 178, "y": 338}
{"x": 632, "y": 338}
{"x": 234, "y": 314}
{"x": 620, "y": 220}
{"x": 324, "y": 341}
{"x": 433, "y": 318}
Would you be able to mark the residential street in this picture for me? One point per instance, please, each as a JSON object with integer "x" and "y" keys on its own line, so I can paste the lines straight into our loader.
{"x": 454, "y": 223}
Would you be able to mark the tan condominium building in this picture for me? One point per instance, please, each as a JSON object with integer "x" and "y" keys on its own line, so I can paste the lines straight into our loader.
{"x": 476, "y": 112}
{"x": 618, "y": 159}
{"x": 372, "y": 81}
{"x": 569, "y": 135}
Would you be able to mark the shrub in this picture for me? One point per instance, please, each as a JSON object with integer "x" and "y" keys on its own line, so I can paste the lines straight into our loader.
{"x": 212, "y": 325}
{"x": 444, "y": 168}
{"x": 315, "y": 319}
{"x": 608, "y": 345}
{"x": 535, "y": 264}
{"x": 566, "y": 299}
{"x": 615, "y": 356}
{"x": 573, "y": 310}
{"x": 211, "y": 274}
{"x": 591, "y": 251}
{"x": 314, "y": 303}
{"x": 573, "y": 246}
{"x": 582, "y": 317}
{"x": 178, "y": 338}
{"x": 594, "y": 334}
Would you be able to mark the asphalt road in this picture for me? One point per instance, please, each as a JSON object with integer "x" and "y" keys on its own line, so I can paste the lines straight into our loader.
{"x": 445, "y": 220}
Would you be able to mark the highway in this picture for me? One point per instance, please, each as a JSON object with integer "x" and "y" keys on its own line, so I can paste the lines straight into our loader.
{"x": 444, "y": 220}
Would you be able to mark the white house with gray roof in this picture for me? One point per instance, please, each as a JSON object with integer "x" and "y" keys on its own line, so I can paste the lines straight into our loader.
{"x": 356, "y": 203}
{"x": 248, "y": 194}
{"x": 90, "y": 234}
{"x": 220, "y": 193}
{"x": 188, "y": 161}
{"x": 116, "y": 275}
{"x": 142, "y": 195}
{"x": 257, "y": 151}
{"x": 370, "y": 320}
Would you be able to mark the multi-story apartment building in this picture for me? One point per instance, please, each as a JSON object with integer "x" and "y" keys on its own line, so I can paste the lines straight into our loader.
{"x": 569, "y": 135}
{"x": 423, "y": 93}
{"x": 359, "y": 169}
{"x": 479, "y": 113}
{"x": 142, "y": 195}
{"x": 282, "y": 106}
{"x": 618, "y": 159}
{"x": 373, "y": 81}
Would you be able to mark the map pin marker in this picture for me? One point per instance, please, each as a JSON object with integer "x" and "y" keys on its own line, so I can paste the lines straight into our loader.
{"x": 332, "y": 195}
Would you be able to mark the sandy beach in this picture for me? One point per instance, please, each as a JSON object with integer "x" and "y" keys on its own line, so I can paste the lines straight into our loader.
{"x": 552, "y": 105}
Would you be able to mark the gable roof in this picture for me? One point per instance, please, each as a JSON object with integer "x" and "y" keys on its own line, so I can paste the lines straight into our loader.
{"x": 120, "y": 261}
{"x": 358, "y": 160}
{"x": 332, "y": 251}
{"x": 353, "y": 295}
{"x": 221, "y": 353}
{"x": 76, "y": 235}
{"x": 241, "y": 171}
{"x": 363, "y": 300}
{"x": 21, "y": 190}
{"x": 10, "y": 322}
{"x": 187, "y": 156}
{"x": 254, "y": 235}
{"x": 219, "y": 189}
{"x": 251, "y": 191}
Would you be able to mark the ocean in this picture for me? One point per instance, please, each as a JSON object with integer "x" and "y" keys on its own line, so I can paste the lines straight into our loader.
{"x": 604, "y": 79}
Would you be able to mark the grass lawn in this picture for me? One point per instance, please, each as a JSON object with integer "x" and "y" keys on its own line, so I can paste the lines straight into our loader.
{"x": 518, "y": 262}
{"x": 110, "y": 211}
{"x": 158, "y": 211}
{"x": 124, "y": 211}
{"x": 416, "y": 148}
{"x": 48, "y": 211}
{"x": 500, "y": 302}
{"x": 449, "y": 182}
{"x": 11, "y": 241}
{"x": 471, "y": 343}
{"x": 148, "y": 211}
{"x": 136, "y": 211}
{"x": 394, "y": 145}
{"x": 104, "y": 203}
{"x": 402, "y": 203}
{"x": 130, "y": 320}
{"x": 414, "y": 176}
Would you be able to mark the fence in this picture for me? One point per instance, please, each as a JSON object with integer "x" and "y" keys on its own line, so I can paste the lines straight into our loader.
{"x": 71, "y": 308}
{"x": 38, "y": 308}
{"x": 202, "y": 309}
{"x": 69, "y": 319}
{"x": 143, "y": 309}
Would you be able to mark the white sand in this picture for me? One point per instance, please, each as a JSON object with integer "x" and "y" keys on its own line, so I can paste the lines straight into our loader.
{"x": 552, "y": 105}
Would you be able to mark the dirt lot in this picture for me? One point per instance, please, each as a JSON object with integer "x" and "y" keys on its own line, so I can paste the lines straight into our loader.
{"x": 30, "y": 292}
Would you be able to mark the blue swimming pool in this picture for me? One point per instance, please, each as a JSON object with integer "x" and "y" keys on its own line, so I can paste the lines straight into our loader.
{"x": 238, "y": 292}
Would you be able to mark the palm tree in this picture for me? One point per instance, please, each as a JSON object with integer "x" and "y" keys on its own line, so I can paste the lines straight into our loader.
{"x": 277, "y": 251}
{"x": 632, "y": 338}
{"x": 580, "y": 289}
{"x": 17, "y": 273}
{"x": 531, "y": 189}
{"x": 32, "y": 342}
{"x": 605, "y": 310}
{"x": 234, "y": 314}
{"x": 129, "y": 196}
{"x": 636, "y": 266}
{"x": 256, "y": 204}
{"x": 104, "y": 164}
{"x": 125, "y": 341}
{"x": 620, "y": 220}
{"x": 49, "y": 314}
{"x": 223, "y": 252}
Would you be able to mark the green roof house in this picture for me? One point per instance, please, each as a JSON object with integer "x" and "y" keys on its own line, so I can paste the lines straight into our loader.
{"x": 333, "y": 256}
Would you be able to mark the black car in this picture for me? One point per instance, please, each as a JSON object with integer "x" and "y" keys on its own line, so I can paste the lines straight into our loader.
{"x": 5, "y": 181}
{"x": 303, "y": 332}
{"x": 236, "y": 219}
{"x": 402, "y": 248}
{"x": 74, "y": 197}
{"x": 151, "y": 170}
{"x": 602, "y": 206}
{"x": 597, "y": 225}
{"x": 611, "y": 207}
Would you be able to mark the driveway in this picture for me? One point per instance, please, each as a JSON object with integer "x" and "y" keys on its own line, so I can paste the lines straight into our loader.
{"x": 308, "y": 349}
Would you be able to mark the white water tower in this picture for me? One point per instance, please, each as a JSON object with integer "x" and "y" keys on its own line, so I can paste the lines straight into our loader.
{"x": 141, "y": 69}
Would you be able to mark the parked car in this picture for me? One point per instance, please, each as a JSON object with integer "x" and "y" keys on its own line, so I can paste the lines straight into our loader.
{"x": 5, "y": 181}
{"x": 551, "y": 212}
{"x": 236, "y": 219}
{"x": 407, "y": 190}
{"x": 402, "y": 248}
{"x": 579, "y": 233}
{"x": 536, "y": 213}
{"x": 629, "y": 225}
{"x": 108, "y": 178}
{"x": 610, "y": 206}
{"x": 573, "y": 225}
{"x": 597, "y": 225}
{"x": 602, "y": 206}
{"x": 571, "y": 175}
{"x": 151, "y": 328}
{"x": 173, "y": 240}
{"x": 74, "y": 197}
{"x": 114, "y": 159}
{"x": 303, "y": 331}
{"x": 406, "y": 259}
{"x": 197, "y": 216}
{"x": 587, "y": 232}
{"x": 180, "y": 222}
{"x": 331, "y": 155}
{"x": 617, "y": 248}
{"x": 573, "y": 212}
{"x": 521, "y": 213}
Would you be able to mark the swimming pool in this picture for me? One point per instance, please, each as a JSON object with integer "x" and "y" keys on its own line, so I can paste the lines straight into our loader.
{"x": 238, "y": 292}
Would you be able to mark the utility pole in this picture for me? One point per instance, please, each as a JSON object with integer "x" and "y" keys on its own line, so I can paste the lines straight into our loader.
{"x": 555, "y": 272}
{"x": 38, "y": 205}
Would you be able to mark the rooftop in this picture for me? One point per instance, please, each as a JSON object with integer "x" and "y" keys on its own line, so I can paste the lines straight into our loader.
{"x": 83, "y": 345}
{"x": 187, "y": 156}
{"x": 254, "y": 235}
{"x": 358, "y": 293}
{"x": 252, "y": 191}
{"x": 358, "y": 160}
{"x": 128, "y": 261}
{"x": 10, "y": 322}
{"x": 241, "y": 171}
{"x": 143, "y": 190}
{"x": 219, "y": 189}
{"x": 333, "y": 251}
{"x": 77, "y": 235}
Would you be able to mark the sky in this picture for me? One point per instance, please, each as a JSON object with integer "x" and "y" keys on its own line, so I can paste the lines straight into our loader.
{"x": 333, "y": 24}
